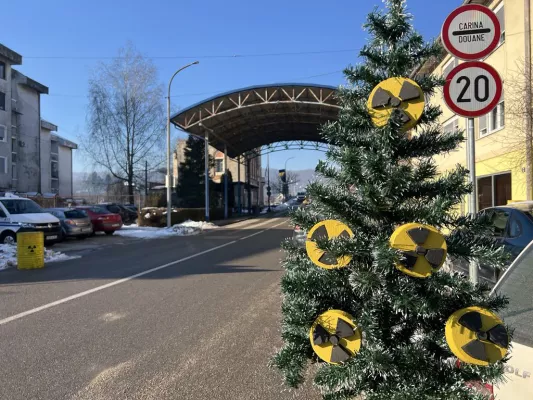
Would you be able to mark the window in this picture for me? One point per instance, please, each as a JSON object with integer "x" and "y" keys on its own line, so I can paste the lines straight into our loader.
{"x": 54, "y": 185}
{"x": 2, "y": 70}
{"x": 21, "y": 206}
{"x": 495, "y": 190}
{"x": 13, "y": 149}
{"x": 54, "y": 172}
{"x": 451, "y": 127}
{"x": 447, "y": 68}
{"x": 515, "y": 228}
{"x": 2, "y": 101}
{"x": 219, "y": 165}
{"x": 493, "y": 121}
{"x": 14, "y": 171}
{"x": 114, "y": 209}
{"x": 499, "y": 222}
{"x": 3, "y": 133}
{"x": 54, "y": 147}
{"x": 3, "y": 165}
{"x": 75, "y": 214}
{"x": 501, "y": 17}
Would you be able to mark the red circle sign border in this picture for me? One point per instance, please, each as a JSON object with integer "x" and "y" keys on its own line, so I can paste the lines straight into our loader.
{"x": 484, "y": 110}
{"x": 465, "y": 56}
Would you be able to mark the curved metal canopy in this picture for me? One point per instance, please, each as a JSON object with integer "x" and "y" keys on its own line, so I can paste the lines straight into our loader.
{"x": 249, "y": 118}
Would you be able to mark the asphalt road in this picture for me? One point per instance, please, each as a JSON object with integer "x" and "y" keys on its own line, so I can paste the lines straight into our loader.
{"x": 200, "y": 320}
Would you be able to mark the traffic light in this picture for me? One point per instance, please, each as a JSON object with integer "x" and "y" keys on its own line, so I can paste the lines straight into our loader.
{"x": 282, "y": 175}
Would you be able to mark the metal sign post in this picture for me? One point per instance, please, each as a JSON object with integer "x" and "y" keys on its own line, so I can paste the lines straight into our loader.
{"x": 473, "y": 88}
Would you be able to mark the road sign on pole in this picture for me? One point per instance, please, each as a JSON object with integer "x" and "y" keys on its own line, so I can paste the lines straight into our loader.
{"x": 473, "y": 89}
{"x": 471, "y": 32}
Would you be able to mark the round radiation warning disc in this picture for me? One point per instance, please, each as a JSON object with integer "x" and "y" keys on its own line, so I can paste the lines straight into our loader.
{"x": 423, "y": 249}
{"x": 328, "y": 229}
{"x": 401, "y": 95}
{"x": 334, "y": 337}
{"x": 477, "y": 336}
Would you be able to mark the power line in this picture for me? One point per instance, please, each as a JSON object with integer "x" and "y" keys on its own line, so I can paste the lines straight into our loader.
{"x": 214, "y": 91}
{"x": 252, "y": 55}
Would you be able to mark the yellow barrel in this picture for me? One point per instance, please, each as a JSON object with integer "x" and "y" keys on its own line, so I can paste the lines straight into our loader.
{"x": 30, "y": 250}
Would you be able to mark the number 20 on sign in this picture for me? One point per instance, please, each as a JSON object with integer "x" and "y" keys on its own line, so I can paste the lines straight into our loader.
{"x": 473, "y": 89}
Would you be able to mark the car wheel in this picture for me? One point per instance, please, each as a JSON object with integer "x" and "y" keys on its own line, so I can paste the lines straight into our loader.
{"x": 109, "y": 233}
{"x": 8, "y": 238}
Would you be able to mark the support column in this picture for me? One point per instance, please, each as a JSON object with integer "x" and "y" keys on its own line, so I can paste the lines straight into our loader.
{"x": 473, "y": 180}
{"x": 239, "y": 205}
{"x": 206, "y": 175}
{"x": 248, "y": 179}
{"x": 225, "y": 182}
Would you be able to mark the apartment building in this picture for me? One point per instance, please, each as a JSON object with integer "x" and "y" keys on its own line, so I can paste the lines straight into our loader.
{"x": 500, "y": 136}
{"x": 217, "y": 172}
{"x": 33, "y": 158}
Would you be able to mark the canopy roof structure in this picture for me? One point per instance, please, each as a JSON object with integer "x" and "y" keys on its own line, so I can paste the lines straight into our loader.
{"x": 247, "y": 119}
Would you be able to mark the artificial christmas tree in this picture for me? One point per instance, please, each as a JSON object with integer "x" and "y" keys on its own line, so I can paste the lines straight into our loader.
{"x": 366, "y": 298}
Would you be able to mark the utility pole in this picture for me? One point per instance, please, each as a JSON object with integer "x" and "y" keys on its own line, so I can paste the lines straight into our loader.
{"x": 146, "y": 177}
{"x": 268, "y": 181}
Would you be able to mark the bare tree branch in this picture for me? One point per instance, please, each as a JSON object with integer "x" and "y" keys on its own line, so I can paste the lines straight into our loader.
{"x": 125, "y": 117}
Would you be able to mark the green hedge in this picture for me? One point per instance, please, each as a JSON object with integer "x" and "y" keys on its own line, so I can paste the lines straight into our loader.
{"x": 157, "y": 217}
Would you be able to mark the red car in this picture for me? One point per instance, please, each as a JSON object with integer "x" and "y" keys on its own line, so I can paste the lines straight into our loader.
{"x": 103, "y": 220}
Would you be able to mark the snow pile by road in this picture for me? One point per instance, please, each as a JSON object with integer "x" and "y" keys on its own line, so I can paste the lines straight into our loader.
{"x": 8, "y": 256}
{"x": 186, "y": 228}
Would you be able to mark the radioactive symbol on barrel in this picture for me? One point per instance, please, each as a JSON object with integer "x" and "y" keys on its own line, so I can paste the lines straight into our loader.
{"x": 396, "y": 95}
{"x": 423, "y": 249}
{"x": 477, "y": 336}
{"x": 334, "y": 337}
{"x": 328, "y": 229}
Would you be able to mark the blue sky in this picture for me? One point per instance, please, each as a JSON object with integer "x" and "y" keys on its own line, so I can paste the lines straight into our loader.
{"x": 80, "y": 34}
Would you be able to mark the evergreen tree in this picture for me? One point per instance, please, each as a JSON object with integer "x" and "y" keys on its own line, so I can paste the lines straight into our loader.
{"x": 376, "y": 180}
{"x": 191, "y": 180}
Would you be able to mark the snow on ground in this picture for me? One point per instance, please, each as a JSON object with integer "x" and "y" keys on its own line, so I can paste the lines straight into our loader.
{"x": 8, "y": 256}
{"x": 186, "y": 228}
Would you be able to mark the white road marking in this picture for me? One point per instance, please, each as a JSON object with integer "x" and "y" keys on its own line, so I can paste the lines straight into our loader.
{"x": 129, "y": 278}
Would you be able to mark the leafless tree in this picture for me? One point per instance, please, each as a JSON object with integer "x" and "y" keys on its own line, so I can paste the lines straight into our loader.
{"x": 518, "y": 135}
{"x": 277, "y": 185}
{"x": 125, "y": 117}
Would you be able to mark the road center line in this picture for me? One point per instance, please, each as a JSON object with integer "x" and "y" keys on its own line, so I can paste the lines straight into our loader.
{"x": 119, "y": 281}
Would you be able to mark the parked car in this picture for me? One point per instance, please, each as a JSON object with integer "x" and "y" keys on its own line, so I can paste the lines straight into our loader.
{"x": 28, "y": 213}
{"x": 9, "y": 230}
{"x": 517, "y": 284}
{"x": 102, "y": 220}
{"x": 513, "y": 227}
{"x": 128, "y": 216}
{"x": 74, "y": 223}
{"x": 300, "y": 196}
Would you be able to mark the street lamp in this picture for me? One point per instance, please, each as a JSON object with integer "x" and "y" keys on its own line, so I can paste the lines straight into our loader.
{"x": 169, "y": 166}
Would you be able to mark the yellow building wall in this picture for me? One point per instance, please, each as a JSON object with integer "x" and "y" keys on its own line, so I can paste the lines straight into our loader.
{"x": 499, "y": 151}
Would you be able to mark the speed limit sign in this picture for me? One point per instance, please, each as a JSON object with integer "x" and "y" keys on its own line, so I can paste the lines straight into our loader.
{"x": 473, "y": 89}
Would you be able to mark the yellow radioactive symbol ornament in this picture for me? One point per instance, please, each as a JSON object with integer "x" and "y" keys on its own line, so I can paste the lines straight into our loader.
{"x": 400, "y": 95}
{"x": 328, "y": 229}
{"x": 423, "y": 248}
{"x": 477, "y": 336}
{"x": 334, "y": 337}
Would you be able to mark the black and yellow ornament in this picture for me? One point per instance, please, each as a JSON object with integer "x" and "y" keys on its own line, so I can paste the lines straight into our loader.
{"x": 477, "y": 336}
{"x": 423, "y": 248}
{"x": 396, "y": 95}
{"x": 327, "y": 229}
{"x": 334, "y": 337}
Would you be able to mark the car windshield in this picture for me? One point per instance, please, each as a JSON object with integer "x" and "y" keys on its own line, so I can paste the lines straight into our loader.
{"x": 75, "y": 214}
{"x": 20, "y": 206}
{"x": 517, "y": 284}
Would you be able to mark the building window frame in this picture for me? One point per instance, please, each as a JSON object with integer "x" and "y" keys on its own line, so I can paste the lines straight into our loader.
{"x": 2, "y": 101}
{"x": 52, "y": 169}
{"x": 497, "y": 114}
{"x": 454, "y": 121}
{"x": 4, "y": 160}
{"x": 219, "y": 162}
{"x": 14, "y": 175}
{"x": 4, "y": 139}
{"x": 3, "y": 70}
{"x": 493, "y": 186}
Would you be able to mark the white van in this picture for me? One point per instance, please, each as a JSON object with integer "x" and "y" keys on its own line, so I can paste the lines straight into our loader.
{"x": 29, "y": 214}
{"x": 517, "y": 284}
